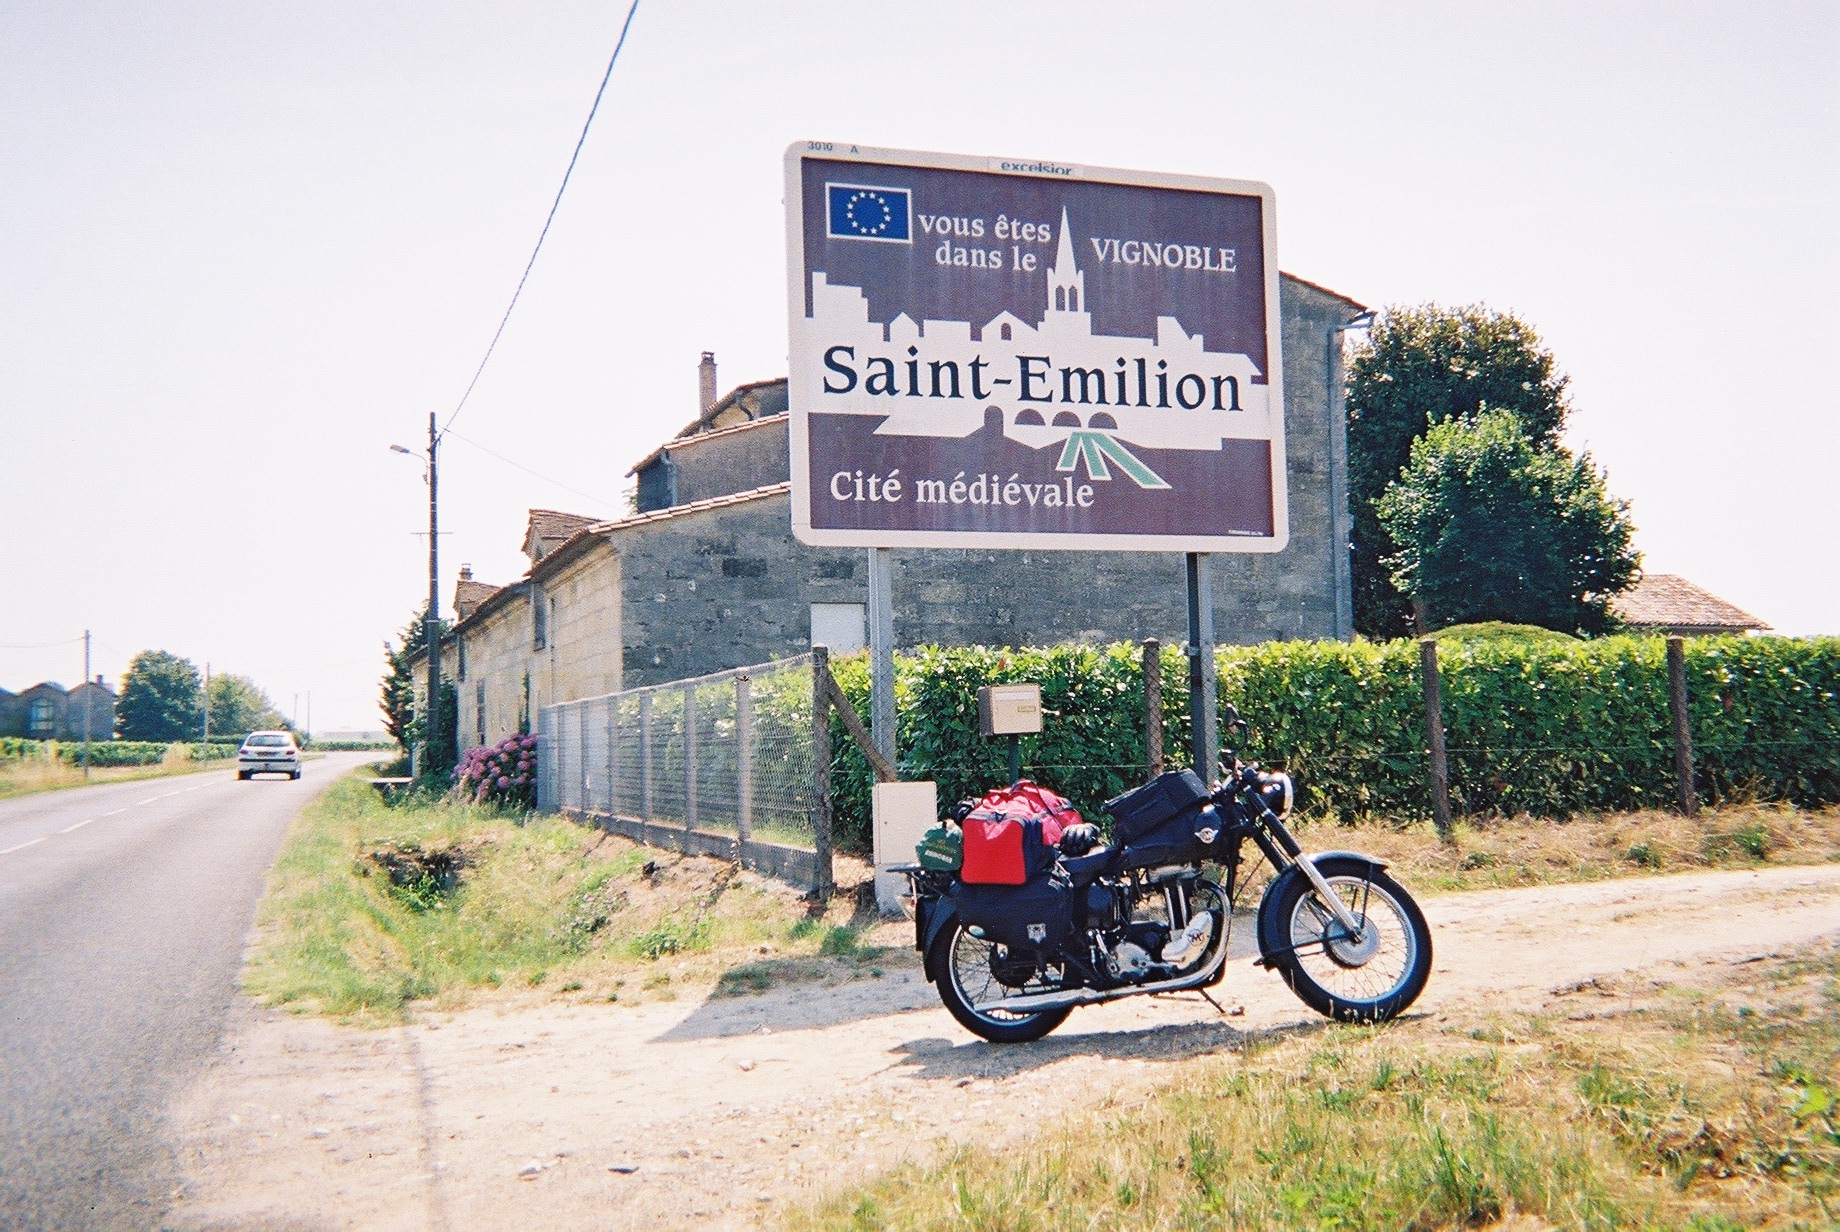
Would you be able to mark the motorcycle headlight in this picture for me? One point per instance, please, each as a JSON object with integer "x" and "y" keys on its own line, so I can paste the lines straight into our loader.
{"x": 1278, "y": 793}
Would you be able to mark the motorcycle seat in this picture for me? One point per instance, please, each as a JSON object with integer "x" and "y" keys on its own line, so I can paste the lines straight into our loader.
{"x": 1084, "y": 870}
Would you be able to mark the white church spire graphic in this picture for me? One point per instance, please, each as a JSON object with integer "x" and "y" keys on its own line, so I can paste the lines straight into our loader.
{"x": 1056, "y": 382}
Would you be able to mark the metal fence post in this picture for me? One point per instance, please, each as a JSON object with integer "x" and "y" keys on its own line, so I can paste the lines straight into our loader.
{"x": 690, "y": 759}
{"x": 744, "y": 758}
{"x": 581, "y": 741}
{"x": 1683, "y": 732}
{"x": 613, "y": 760}
{"x": 645, "y": 760}
{"x": 821, "y": 770}
{"x": 1153, "y": 705}
{"x": 1434, "y": 731}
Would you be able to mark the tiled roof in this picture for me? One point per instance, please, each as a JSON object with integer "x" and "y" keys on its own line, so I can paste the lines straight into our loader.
{"x": 714, "y": 433}
{"x": 469, "y": 594}
{"x": 1664, "y": 601}
{"x": 702, "y": 506}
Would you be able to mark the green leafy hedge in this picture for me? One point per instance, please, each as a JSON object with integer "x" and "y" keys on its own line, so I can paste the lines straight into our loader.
{"x": 1547, "y": 728}
{"x": 17, "y": 748}
{"x": 114, "y": 752}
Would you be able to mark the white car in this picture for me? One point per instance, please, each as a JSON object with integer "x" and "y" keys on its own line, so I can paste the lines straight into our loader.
{"x": 268, "y": 752}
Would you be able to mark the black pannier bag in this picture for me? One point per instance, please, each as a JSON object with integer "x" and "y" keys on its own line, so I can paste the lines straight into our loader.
{"x": 1035, "y": 916}
{"x": 1145, "y": 810}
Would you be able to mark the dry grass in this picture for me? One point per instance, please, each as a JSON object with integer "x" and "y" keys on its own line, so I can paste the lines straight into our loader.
{"x": 1701, "y": 1108}
{"x": 31, "y": 775}
{"x": 1526, "y": 851}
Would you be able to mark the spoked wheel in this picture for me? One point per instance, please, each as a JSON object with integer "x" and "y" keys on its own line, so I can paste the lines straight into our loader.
{"x": 974, "y": 972}
{"x": 1367, "y": 976}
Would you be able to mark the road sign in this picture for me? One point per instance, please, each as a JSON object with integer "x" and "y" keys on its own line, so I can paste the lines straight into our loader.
{"x": 1019, "y": 354}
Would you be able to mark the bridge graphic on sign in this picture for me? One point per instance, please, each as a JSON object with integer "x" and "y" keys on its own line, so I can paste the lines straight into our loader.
{"x": 1057, "y": 383}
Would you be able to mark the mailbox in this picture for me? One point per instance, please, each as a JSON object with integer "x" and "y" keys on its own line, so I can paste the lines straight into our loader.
{"x": 1009, "y": 709}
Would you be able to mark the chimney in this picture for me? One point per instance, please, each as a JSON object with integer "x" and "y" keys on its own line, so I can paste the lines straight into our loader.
{"x": 466, "y": 573}
{"x": 706, "y": 382}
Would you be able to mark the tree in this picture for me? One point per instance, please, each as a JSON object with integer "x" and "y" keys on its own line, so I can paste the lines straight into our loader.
{"x": 400, "y": 717}
{"x": 1422, "y": 366}
{"x": 160, "y": 699}
{"x": 238, "y": 707}
{"x": 1489, "y": 525}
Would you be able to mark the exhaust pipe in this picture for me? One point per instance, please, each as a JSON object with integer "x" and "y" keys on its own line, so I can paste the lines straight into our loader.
{"x": 1036, "y": 1001}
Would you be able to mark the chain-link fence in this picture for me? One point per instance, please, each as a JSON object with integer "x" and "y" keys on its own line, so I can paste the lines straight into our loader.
{"x": 718, "y": 765}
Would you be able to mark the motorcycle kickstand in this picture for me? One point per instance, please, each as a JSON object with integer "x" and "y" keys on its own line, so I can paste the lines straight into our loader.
{"x": 1209, "y": 998}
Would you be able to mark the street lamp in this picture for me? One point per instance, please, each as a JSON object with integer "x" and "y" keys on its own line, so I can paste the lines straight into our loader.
{"x": 431, "y": 622}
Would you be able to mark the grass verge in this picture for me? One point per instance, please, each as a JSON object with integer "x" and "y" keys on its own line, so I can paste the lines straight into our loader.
{"x": 372, "y": 906}
{"x": 29, "y": 776}
{"x": 1703, "y": 1109}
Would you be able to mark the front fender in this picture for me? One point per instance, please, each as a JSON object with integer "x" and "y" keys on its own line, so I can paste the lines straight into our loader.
{"x": 1271, "y": 929}
{"x": 931, "y": 917}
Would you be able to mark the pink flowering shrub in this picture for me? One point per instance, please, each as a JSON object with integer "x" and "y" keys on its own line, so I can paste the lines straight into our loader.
{"x": 504, "y": 773}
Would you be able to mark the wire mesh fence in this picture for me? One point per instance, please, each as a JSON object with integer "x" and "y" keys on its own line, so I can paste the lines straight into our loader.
{"x": 717, "y": 765}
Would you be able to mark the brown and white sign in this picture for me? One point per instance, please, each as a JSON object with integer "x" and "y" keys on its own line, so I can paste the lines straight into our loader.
{"x": 1018, "y": 354}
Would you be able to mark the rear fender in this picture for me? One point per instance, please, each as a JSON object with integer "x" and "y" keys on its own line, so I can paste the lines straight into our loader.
{"x": 1271, "y": 929}
{"x": 932, "y": 916}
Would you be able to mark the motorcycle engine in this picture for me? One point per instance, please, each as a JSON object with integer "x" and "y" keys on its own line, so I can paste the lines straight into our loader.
{"x": 1129, "y": 962}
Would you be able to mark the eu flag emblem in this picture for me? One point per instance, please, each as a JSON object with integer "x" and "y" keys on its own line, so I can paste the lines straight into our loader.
{"x": 865, "y": 212}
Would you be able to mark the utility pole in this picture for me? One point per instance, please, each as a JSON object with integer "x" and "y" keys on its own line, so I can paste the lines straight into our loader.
{"x": 87, "y": 698}
{"x": 207, "y": 701}
{"x": 433, "y": 623}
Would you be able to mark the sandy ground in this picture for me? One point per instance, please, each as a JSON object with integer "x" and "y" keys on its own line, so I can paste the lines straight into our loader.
{"x": 715, "y": 1113}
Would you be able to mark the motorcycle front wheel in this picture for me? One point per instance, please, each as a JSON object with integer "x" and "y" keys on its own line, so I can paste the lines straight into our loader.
{"x": 974, "y": 972}
{"x": 1369, "y": 977}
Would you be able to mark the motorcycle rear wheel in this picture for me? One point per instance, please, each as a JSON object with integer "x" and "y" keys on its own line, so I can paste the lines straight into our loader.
{"x": 1367, "y": 979}
{"x": 974, "y": 972}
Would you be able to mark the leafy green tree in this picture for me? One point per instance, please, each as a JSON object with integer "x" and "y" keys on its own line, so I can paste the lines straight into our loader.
{"x": 1489, "y": 525}
{"x": 398, "y": 700}
{"x": 400, "y": 717}
{"x": 1422, "y": 366}
{"x": 160, "y": 699}
{"x": 239, "y": 707}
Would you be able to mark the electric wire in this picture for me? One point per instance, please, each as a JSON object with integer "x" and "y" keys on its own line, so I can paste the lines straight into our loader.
{"x": 599, "y": 500}
{"x": 554, "y": 205}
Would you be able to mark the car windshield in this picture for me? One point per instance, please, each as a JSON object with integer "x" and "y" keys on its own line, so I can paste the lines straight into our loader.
{"x": 265, "y": 740}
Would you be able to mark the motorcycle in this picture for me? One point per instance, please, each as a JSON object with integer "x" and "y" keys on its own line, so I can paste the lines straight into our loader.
{"x": 1150, "y": 914}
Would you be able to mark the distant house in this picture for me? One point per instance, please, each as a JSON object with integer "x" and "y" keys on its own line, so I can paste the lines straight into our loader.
{"x": 705, "y": 574}
{"x": 48, "y": 711}
{"x": 1665, "y": 603}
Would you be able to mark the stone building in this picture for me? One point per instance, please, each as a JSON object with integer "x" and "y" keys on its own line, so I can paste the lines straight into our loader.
{"x": 706, "y": 574}
{"x": 48, "y": 711}
{"x": 1664, "y": 603}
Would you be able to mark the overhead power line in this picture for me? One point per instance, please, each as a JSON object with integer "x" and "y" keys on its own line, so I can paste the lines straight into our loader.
{"x": 529, "y": 265}
{"x": 599, "y": 500}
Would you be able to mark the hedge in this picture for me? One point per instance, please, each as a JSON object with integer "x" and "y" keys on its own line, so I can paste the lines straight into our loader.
{"x": 1549, "y": 729}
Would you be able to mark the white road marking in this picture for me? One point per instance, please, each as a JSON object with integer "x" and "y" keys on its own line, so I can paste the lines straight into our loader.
{"x": 78, "y": 826}
{"x": 122, "y": 809}
{"x": 10, "y": 850}
{"x": 148, "y": 800}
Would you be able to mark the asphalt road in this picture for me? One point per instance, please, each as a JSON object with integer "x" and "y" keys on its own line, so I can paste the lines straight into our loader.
{"x": 123, "y": 914}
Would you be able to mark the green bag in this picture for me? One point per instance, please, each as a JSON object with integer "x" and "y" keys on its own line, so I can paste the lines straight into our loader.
{"x": 941, "y": 849}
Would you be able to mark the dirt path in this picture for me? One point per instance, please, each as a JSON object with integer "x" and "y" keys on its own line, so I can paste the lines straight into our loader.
{"x": 713, "y": 1113}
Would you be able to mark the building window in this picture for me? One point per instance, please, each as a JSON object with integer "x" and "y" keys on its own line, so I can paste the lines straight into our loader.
{"x": 460, "y": 654}
{"x": 479, "y": 709}
{"x": 842, "y": 627}
{"x": 1006, "y": 331}
{"x": 539, "y": 611}
{"x": 41, "y": 721}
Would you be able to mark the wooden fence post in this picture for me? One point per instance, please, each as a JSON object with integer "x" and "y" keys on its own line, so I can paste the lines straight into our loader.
{"x": 821, "y": 687}
{"x": 1153, "y": 704}
{"x": 744, "y": 758}
{"x": 1434, "y": 731}
{"x": 1683, "y": 733}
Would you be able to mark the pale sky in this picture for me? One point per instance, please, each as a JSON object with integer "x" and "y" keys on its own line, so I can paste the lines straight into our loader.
{"x": 245, "y": 248}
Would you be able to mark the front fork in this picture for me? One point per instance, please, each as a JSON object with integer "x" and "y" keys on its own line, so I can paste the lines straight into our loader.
{"x": 1284, "y": 851}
